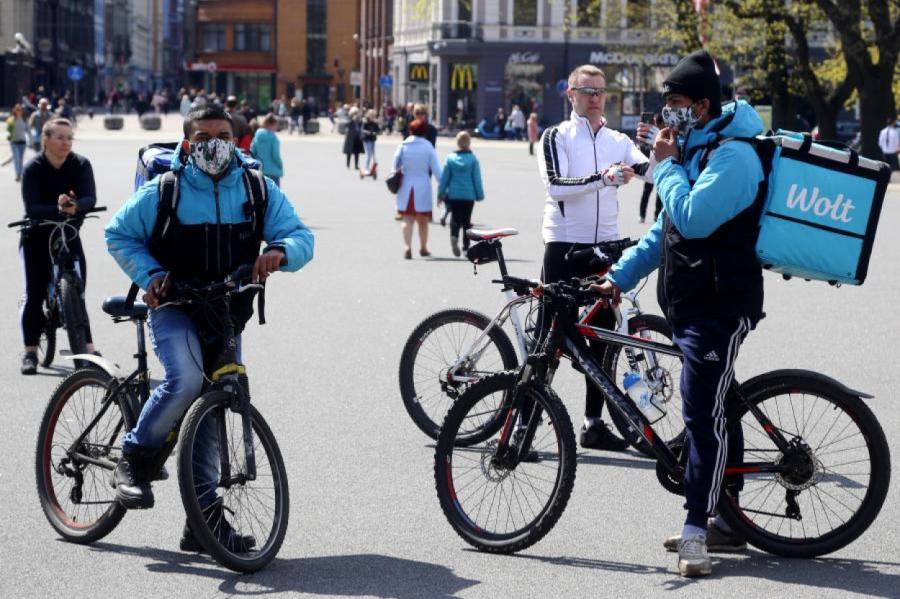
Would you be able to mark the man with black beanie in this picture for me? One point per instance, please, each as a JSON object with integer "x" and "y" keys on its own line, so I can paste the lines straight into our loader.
{"x": 710, "y": 282}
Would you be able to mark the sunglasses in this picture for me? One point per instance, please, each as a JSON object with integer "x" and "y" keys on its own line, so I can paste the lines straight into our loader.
{"x": 590, "y": 91}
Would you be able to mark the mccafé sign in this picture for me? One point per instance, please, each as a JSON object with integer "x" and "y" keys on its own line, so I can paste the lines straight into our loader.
{"x": 461, "y": 77}
{"x": 418, "y": 71}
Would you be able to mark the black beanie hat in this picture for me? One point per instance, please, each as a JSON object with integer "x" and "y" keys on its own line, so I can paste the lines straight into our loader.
{"x": 695, "y": 77}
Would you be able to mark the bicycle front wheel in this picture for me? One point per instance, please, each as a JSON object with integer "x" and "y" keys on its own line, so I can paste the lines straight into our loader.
{"x": 494, "y": 506}
{"x": 74, "y": 314}
{"x": 241, "y": 522}
{"x": 837, "y": 467}
{"x": 666, "y": 376}
{"x": 72, "y": 481}
{"x": 433, "y": 348}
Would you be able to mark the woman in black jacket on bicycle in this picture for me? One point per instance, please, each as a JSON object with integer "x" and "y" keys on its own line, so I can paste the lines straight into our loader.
{"x": 57, "y": 183}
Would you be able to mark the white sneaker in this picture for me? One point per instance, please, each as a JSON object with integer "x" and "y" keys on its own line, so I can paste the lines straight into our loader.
{"x": 693, "y": 559}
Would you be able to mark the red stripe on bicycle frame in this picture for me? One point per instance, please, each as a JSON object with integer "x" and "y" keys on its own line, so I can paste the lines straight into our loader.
{"x": 648, "y": 432}
{"x": 589, "y": 316}
{"x": 506, "y": 427}
{"x": 586, "y": 331}
{"x": 742, "y": 470}
{"x": 769, "y": 428}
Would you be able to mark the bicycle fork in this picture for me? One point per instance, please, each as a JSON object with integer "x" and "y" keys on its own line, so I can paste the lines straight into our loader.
{"x": 236, "y": 384}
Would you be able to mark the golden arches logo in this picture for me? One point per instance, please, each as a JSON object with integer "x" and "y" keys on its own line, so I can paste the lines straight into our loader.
{"x": 418, "y": 72}
{"x": 462, "y": 77}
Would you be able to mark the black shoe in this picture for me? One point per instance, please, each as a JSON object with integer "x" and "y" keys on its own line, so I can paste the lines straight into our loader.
{"x": 600, "y": 437}
{"x": 132, "y": 485}
{"x": 443, "y": 221}
{"x": 229, "y": 538}
{"x": 29, "y": 363}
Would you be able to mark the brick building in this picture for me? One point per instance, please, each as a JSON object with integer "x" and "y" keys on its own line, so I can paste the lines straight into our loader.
{"x": 376, "y": 40}
{"x": 318, "y": 49}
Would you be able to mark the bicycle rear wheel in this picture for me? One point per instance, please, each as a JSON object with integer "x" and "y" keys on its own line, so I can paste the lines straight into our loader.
{"x": 75, "y": 494}
{"x": 493, "y": 507}
{"x": 240, "y": 522}
{"x": 668, "y": 374}
{"x": 433, "y": 347}
{"x": 74, "y": 314}
{"x": 839, "y": 467}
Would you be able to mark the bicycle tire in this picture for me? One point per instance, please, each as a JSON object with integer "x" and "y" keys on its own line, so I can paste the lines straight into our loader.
{"x": 264, "y": 442}
{"x": 673, "y": 421}
{"x": 772, "y": 385}
{"x": 74, "y": 314}
{"x": 448, "y": 494}
{"x": 429, "y": 420}
{"x": 71, "y": 528}
{"x": 47, "y": 344}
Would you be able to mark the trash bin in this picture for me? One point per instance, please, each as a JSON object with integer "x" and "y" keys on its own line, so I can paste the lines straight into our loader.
{"x": 311, "y": 126}
{"x": 151, "y": 122}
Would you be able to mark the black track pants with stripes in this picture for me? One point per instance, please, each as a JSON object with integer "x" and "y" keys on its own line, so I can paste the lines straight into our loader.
{"x": 710, "y": 350}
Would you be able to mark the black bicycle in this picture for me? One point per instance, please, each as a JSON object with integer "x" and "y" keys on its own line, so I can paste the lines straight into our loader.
{"x": 80, "y": 443}
{"x": 813, "y": 477}
{"x": 64, "y": 306}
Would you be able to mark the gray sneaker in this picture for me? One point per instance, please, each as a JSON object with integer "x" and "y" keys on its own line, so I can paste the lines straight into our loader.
{"x": 693, "y": 560}
{"x": 717, "y": 541}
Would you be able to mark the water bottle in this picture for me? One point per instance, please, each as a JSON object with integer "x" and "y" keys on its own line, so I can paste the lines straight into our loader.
{"x": 641, "y": 395}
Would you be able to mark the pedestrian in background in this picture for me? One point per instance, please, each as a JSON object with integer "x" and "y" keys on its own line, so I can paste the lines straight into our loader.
{"x": 460, "y": 188}
{"x": 370, "y": 130}
{"x": 36, "y": 122}
{"x": 418, "y": 160}
{"x": 889, "y": 142}
{"x": 295, "y": 117}
{"x": 267, "y": 149}
{"x": 517, "y": 122}
{"x": 353, "y": 145}
{"x": 17, "y": 133}
{"x": 239, "y": 125}
{"x": 533, "y": 134}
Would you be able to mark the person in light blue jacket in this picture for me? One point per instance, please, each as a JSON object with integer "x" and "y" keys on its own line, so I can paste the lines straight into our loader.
{"x": 710, "y": 284}
{"x": 211, "y": 232}
{"x": 266, "y": 148}
{"x": 460, "y": 188}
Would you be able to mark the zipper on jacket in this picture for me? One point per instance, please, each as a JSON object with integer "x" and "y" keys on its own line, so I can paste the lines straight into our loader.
{"x": 230, "y": 242}
{"x": 218, "y": 230}
{"x": 597, "y": 198}
{"x": 206, "y": 244}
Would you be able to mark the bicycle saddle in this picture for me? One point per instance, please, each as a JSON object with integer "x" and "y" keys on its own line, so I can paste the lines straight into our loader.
{"x": 115, "y": 307}
{"x": 481, "y": 235}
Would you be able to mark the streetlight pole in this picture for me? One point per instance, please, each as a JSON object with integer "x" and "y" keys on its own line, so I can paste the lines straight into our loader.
{"x": 567, "y": 24}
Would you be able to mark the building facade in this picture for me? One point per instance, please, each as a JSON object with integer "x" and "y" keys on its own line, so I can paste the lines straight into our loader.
{"x": 17, "y": 61}
{"x": 235, "y": 51}
{"x": 318, "y": 50}
{"x": 63, "y": 36}
{"x": 376, "y": 43}
{"x": 469, "y": 58}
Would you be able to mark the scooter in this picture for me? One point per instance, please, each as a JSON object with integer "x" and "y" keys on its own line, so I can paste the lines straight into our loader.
{"x": 373, "y": 172}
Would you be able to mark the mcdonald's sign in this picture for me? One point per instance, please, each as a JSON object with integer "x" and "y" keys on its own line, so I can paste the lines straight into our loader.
{"x": 419, "y": 72}
{"x": 461, "y": 77}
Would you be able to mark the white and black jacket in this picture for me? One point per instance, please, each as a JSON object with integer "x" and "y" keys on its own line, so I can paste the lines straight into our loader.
{"x": 579, "y": 207}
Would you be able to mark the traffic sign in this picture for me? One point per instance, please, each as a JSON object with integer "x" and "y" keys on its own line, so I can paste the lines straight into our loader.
{"x": 386, "y": 81}
{"x": 212, "y": 67}
{"x": 561, "y": 86}
{"x": 75, "y": 72}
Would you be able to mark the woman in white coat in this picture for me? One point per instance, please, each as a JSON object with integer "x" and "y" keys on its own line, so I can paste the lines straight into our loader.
{"x": 419, "y": 162}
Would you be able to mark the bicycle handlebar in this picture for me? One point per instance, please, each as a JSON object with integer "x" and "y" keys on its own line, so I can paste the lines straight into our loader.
{"x": 600, "y": 256}
{"x": 238, "y": 281}
{"x": 25, "y": 222}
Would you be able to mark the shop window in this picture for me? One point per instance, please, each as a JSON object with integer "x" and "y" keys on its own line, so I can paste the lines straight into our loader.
{"x": 525, "y": 13}
{"x": 524, "y": 86}
{"x": 316, "y": 42}
{"x": 253, "y": 37}
{"x": 464, "y": 10}
{"x": 213, "y": 37}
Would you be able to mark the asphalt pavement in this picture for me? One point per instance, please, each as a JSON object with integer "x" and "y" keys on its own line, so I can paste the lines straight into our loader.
{"x": 365, "y": 520}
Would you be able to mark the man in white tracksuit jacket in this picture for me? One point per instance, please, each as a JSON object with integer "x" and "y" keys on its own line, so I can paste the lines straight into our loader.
{"x": 582, "y": 163}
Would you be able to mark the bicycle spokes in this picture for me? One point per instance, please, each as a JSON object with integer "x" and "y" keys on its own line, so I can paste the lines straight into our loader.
{"x": 822, "y": 475}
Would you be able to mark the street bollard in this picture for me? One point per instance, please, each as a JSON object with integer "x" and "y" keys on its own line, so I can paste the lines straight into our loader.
{"x": 151, "y": 122}
{"x": 113, "y": 122}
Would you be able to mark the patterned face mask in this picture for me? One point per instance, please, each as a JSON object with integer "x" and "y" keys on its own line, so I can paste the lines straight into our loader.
{"x": 681, "y": 119}
{"x": 212, "y": 156}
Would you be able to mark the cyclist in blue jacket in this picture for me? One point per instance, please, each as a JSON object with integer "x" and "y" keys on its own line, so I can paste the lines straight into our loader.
{"x": 211, "y": 234}
{"x": 710, "y": 283}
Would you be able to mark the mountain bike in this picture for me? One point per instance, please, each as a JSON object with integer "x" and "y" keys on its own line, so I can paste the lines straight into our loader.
{"x": 452, "y": 349}
{"x": 80, "y": 442}
{"x": 813, "y": 476}
{"x": 64, "y": 305}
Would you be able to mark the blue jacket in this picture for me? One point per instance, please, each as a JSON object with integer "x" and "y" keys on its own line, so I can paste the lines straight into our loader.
{"x": 266, "y": 148}
{"x": 726, "y": 187}
{"x": 461, "y": 179}
{"x": 128, "y": 233}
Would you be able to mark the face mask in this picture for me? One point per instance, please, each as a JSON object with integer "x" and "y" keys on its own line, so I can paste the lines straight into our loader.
{"x": 680, "y": 119}
{"x": 213, "y": 156}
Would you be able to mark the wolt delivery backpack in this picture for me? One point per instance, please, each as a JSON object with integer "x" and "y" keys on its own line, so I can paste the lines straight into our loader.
{"x": 820, "y": 210}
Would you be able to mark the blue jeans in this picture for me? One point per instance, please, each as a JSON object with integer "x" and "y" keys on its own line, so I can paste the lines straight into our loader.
{"x": 369, "y": 145}
{"x": 176, "y": 344}
{"x": 18, "y": 156}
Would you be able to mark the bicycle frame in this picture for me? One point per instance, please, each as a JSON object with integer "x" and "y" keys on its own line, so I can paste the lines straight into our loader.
{"x": 570, "y": 337}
